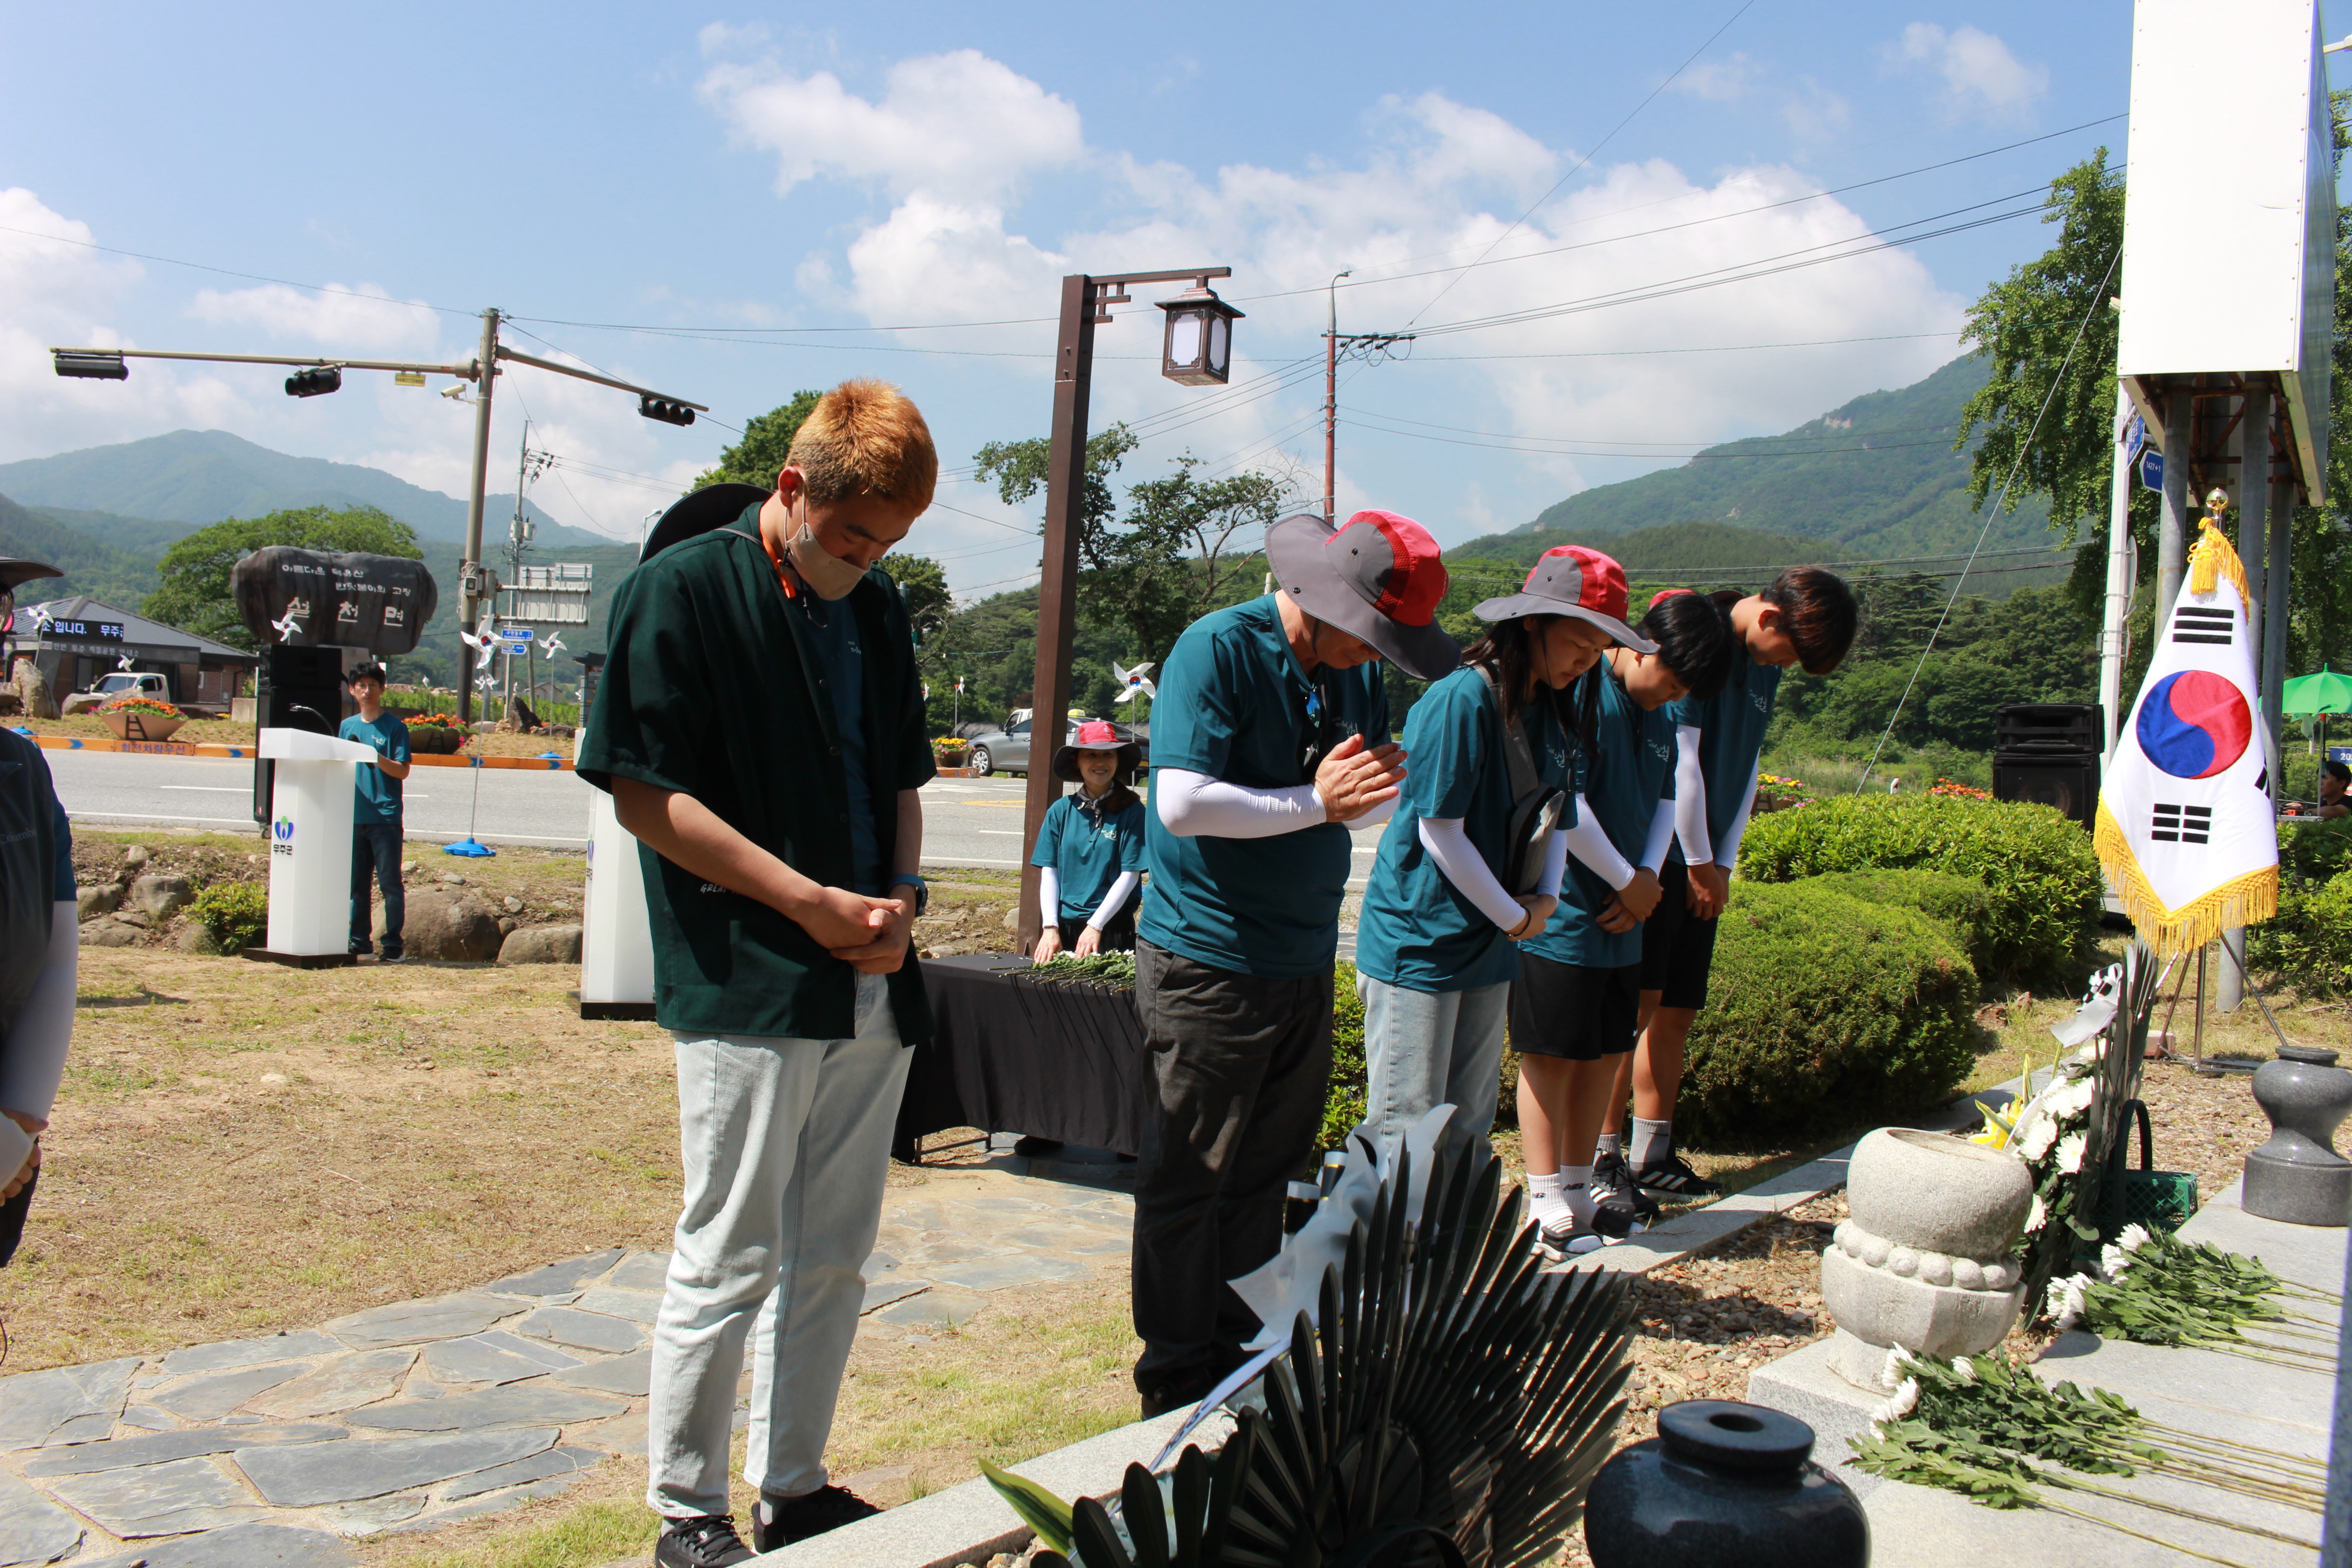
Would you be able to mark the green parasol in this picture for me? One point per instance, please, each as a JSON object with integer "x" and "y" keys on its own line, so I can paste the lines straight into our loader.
{"x": 2308, "y": 696}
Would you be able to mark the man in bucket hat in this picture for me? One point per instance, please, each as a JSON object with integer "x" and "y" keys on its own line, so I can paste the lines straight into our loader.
{"x": 1269, "y": 735}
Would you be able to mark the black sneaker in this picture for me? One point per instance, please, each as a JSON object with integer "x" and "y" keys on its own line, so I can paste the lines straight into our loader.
{"x": 1614, "y": 1188}
{"x": 1178, "y": 1391}
{"x": 700, "y": 1540}
{"x": 1672, "y": 1178}
{"x": 777, "y": 1522}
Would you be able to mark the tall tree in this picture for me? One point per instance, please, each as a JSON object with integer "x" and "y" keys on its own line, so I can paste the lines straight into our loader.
{"x": 923, "y": 583}
{"x": 195, "y": 593}
{"x": 1017, "y": 468}
{"x": 766, "y": 446}
{"x": 1177, "y": 558}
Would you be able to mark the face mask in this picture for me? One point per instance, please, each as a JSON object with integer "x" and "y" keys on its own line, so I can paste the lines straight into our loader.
{"x": 829, "y": 577}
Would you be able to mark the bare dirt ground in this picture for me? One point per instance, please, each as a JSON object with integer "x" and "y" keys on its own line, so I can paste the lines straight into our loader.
{"x": 230, "y": 732}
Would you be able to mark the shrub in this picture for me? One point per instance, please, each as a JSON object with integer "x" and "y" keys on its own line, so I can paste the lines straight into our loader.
{"x": 1824, "y": 1010}
{"x": 236, "y": 913}
{"x": 2308, "y": 944}
{"x": 2036, "y": 867}
{"x": 1343, "y": 1102}
{"x": 1960, "y": 902}
{"x": 2313, "y": 852}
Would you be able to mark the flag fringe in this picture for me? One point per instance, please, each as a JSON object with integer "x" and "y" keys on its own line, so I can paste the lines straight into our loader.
{"x": 2242, "y": 902}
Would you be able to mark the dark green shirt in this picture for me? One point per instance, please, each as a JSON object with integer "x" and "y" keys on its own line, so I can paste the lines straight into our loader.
{"x": 715, "y": 687}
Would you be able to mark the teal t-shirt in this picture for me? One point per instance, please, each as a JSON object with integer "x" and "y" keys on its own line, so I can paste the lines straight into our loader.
{"x": 375, "y": 794}
{"x": 833, "y": 627}
{"x": 1419, "y": 930}
{"x": 1233, "y": 705}
{"x": 1731, "y": 726}
{"x": 1629, "y": 770}
{"x": 1087, "y": 850}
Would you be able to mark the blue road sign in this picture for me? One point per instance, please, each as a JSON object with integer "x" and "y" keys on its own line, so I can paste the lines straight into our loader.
{"x": 2151, "y": 470}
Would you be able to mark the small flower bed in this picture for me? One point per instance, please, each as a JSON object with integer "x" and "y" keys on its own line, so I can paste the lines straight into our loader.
{"x": 1774, "y": 793}
{"x": 434, "y": 722}
{"x": 1959, "y": 790}
{"x": 949, "y": 751}
{"x": 161, "y": 708}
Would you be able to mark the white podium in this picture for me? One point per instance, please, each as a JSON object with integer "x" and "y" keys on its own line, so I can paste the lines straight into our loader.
{"x": 617, "y": 940}
{"x": 311, "y": 847}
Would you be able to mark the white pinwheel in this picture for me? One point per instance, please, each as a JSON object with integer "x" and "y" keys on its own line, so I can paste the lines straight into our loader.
{"x": 286, "y": 626}
{"x": 482, "y": 641}
{"x": 1131, "y": 682}
{"x": 553, "y": 640}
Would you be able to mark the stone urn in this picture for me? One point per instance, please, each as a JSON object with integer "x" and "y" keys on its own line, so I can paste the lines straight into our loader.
{"x": 431, "y": 740}
{"x": 1723, "y": 1485}
{"x": 2298, "y": 1177}
{"x": 1924, "y": 1260}
{"x": 141, "y": 724}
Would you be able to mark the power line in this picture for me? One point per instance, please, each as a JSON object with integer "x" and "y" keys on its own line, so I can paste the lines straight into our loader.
{"x": 1590, "y": 452}
{"x": 1581, "y": 161}
{"x": 1695, "y": 441}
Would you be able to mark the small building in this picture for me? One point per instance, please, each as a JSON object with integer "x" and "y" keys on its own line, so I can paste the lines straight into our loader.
{"x": 75, "y": 642}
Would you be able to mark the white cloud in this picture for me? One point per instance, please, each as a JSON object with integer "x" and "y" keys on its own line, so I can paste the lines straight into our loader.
{"x": 1719, "y": 80}
{"x": 957, "y": 124}
{"x": 363, "y": 318}
{"x": 1977, "y": 68}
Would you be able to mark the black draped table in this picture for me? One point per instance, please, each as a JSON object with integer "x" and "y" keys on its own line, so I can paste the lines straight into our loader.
{"x": 1009, "y": 1055}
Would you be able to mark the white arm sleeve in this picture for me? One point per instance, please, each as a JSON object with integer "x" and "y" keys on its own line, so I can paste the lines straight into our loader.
{"x": 1690, "y": 798}
{"x": 1375, "y": 816}
{"x": 1555, "y": 866}
{"x": 1588, "y": 842}
{"x": 1461, "y": 864}
{"x": 1190, "y": 804}
{"x": 1127, "y": 883}
{"x": 1661, "y": 836}
{"x": 1049, "y": 895}
{"x": 33, "y": 1057}
{"x": 1729, "y": 855}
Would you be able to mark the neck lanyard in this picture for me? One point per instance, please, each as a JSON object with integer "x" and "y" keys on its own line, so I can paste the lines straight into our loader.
{"x": 777, "y": 561}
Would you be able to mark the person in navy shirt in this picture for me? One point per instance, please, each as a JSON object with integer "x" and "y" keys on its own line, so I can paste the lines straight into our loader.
{"x": 1090, "y": 848}
{"x": 1270, "y": 735}
{"x": 1443, "y": 909}
{"x": 1574, "y": 1005}
{"x": 375, "y": 812}
{"x": 1806, "y": 616}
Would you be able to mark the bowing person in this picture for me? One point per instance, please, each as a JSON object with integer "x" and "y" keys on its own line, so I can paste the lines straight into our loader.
{"x": 1454, "y": 886}
{"x": 1574, "y": 1005}
{"x": 1090, "y": 848}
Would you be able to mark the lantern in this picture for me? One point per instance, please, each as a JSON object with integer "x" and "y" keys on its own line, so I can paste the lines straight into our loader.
{"x": 1198, "y": 350}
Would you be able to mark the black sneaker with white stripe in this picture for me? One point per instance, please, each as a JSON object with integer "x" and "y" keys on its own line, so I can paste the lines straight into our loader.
{"x": 1614, "y": 1188}
{"x": 1672, "y": 1178}
{"x": 1563, "y": 1238}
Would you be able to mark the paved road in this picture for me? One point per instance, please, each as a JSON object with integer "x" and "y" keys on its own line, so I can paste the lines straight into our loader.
{"x": 967, "y": 821}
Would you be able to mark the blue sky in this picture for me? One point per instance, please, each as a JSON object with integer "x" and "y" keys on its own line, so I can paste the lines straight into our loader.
{"x": 786, "y": 169}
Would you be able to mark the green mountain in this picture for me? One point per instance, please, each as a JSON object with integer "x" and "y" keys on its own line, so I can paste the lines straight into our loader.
{"x": 1673, "y": 550}
{"x": 200, "y": 477}
{"x": 1876, "y": 477}
{"x": 120, "y": 578}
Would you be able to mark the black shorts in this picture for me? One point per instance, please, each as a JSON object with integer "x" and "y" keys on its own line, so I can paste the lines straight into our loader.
{"x": 1677, "y": 947}
{"x": 1574, "y": 1011}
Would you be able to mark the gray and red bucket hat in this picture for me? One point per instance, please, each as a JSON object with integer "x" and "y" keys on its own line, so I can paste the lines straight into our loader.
{"x": 1571, "y": 580}
{"x": 1379, "y": 578}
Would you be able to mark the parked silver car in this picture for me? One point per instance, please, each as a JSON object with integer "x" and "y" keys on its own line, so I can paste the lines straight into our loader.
{"x": 1007, "y": 751}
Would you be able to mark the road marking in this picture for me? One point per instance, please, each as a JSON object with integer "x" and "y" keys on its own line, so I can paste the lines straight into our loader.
{"x": 245, "y": 822}
{"x": 206, "y": 789}
{"x": 999, "y": 831}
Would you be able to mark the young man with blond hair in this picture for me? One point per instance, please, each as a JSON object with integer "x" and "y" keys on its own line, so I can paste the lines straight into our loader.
{"x": 760, "y": 728}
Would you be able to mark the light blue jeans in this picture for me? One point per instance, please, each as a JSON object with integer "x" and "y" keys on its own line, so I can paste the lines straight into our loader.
{"x": 1427, "y": 1048}
{"x": 785, "y": 1143}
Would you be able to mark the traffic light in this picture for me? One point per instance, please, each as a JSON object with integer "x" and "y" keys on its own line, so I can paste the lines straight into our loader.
{"x": 662, "y": 409}
{"x": 311, "y": 383}
{"x": 92, "y": 365}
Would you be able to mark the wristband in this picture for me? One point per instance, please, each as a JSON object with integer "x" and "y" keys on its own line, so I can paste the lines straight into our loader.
{"x": 922, "y": 891}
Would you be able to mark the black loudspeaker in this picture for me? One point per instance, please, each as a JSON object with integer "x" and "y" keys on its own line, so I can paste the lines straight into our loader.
{"x": 2046, "y": 728}
{"x": 2069, "y": 783}
{"x": 297, "y": 689}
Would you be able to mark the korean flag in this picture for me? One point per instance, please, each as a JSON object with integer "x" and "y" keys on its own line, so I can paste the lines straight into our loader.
{"x": 2185, "y": 827}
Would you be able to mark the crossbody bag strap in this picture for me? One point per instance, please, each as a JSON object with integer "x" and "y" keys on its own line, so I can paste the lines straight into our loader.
{"x": 1517, "y": 756}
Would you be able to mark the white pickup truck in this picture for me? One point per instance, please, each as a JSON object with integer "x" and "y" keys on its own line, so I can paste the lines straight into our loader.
{"x": 132, "y": 683}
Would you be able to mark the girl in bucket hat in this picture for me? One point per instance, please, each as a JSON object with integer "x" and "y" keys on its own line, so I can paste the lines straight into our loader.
{"x": 1472, "y": 865}
{"x": 1573, "y": 1002}
{"x": 1090, "y": 848}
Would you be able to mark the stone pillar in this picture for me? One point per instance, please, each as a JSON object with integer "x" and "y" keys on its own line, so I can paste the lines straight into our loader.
{"x": 2172, "y": 527}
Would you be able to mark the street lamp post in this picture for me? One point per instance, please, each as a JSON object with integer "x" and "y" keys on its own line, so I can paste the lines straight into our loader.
{"x": 1196, "y": 351}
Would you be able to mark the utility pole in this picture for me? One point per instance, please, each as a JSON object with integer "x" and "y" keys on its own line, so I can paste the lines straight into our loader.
{"x": 1085, "y": 301}
{"x": 469, "y": 569}
{"x": 2116, "y": 623}
{"x": 1331, "y": 404}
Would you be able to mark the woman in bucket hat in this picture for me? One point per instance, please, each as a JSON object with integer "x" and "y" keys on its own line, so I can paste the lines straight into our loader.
{"x": 1090, "y": 848}
{"x": 1573, "y": 1002}
{"x": 1450, "y": 894}
{"x": 1270, "y": 734}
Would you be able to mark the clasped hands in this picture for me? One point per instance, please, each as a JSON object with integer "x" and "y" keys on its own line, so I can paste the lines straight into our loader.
{"x": 12, "y": 1183}
{"x": 869, "y": 933}
{"x": 1632, "y": 904}
{"x": 1354, "y": 779}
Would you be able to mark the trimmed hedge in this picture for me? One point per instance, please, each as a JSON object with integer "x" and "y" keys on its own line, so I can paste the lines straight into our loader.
{"x": 1824, "y": 1009}
{"x": 2036, "y": 866}
{"x": 1343, "y": 1101}
{"x": 1960, "y": 902}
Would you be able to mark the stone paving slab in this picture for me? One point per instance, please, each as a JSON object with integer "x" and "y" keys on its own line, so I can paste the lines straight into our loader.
{"x": 228, "y": 1354}
{"x": 66, "y": 1404}
{"x": 160, "y": 1499}
{"x": 32, "y": 1527}
{"x": 317, "y": 1473}
{"x": 123, "y": 1453}
{"x": 583, "y": 1330}
{"x": 339, "y": 1385}
{"x": 488, "y": 1409}
{"x": 624, "y": 1374}
{"x": 414, "y": 1323}
{"x": 1004, "y": 1273}
{"x": 517, "y": 1472}
{"x": 208, "y": 1398}
{"x": 636, "y": 1305}
{"x": 640, "y": 1271}
{"x": 240, "y": 1546}
{"x": 882, "y": 1293}
{"x": 556, "y": 1279}
{"x": 496, "y": 1356}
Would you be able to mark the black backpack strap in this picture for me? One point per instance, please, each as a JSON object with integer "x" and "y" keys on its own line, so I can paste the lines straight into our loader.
{"x": 1517, "y": 756}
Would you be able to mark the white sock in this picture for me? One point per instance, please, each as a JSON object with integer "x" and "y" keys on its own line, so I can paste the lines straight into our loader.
{"x": 1652, "y": 1141}
{"x": 1576, "y": 1183}
{"x": 1545, "y": 1204}
{"x": 1611, "y": 1144}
